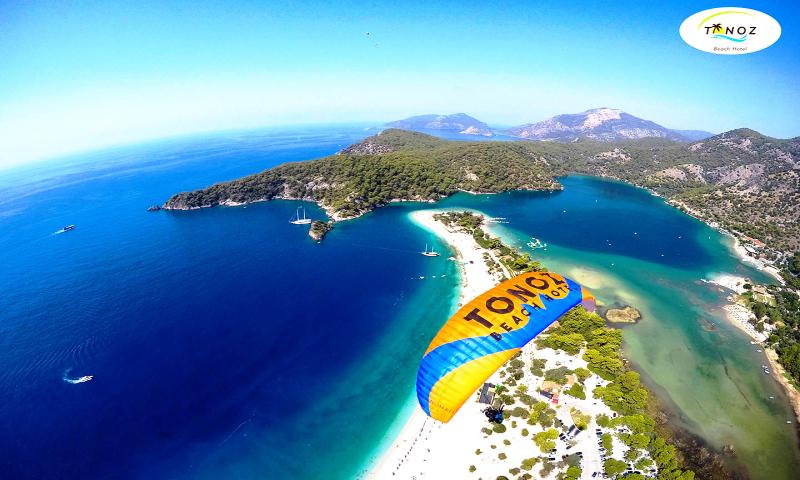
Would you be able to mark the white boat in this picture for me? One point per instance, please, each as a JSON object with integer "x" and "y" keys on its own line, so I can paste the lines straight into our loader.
{"x": 429, "y": 253}
{"x": 297, "y": 220}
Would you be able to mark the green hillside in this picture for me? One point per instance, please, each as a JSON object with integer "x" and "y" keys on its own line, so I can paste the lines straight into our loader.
{"x": 741, "y": 180}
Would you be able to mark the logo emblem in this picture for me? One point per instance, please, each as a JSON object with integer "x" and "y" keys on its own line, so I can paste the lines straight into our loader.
{"x": 730, "y": 31}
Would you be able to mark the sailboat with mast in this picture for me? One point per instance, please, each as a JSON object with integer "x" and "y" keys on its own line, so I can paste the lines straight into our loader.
{"x": 429, "y": 253}
{"x": 297, "y": 220}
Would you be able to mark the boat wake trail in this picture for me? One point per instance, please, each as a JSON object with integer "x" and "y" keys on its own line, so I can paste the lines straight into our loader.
{"x": 75, "y": 381}
{"x": 64, "y": 230}
{"x": 230, "y": 435}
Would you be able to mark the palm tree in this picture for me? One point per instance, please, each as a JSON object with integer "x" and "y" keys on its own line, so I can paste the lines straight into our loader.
{"x": 716, "y": 27}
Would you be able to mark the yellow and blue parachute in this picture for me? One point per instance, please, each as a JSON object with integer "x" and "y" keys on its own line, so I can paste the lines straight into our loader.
{"x": 486, "y": 332}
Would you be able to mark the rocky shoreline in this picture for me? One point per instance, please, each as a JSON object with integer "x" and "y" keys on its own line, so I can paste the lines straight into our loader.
{"x": 332, "y": 213}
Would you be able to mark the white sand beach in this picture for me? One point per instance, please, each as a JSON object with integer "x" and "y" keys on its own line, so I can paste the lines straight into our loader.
{"x": 426, "y": 448}
{"x": 475, "y": 276}
{"x": 740, "y": 316}
{"x": 421, "y": 449}
{"x": 731, "y": 282}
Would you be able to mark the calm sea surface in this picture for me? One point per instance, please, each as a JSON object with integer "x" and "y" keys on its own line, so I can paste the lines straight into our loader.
{"x": 224, "y": 343}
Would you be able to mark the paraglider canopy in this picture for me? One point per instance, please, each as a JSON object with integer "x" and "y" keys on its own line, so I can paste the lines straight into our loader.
{"x": 486, "y": 332}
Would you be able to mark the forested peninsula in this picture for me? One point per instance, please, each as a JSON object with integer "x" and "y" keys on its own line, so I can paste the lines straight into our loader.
{"x": 740, "y": 180}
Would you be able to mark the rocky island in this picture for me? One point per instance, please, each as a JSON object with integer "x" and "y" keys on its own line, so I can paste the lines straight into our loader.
{"x": 456, "y": 123}
{"x": 623, "y": 315}
{"x": 319, "y": 229}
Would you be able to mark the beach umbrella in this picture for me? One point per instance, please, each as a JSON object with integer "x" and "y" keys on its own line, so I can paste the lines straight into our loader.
{"x": 486, "y": 332}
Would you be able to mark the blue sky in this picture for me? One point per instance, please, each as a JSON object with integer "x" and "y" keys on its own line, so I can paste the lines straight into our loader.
{"x": 83, "y": 75}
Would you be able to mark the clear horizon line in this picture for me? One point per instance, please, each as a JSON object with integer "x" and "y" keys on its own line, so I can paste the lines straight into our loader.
{"x": 366, "y": 123}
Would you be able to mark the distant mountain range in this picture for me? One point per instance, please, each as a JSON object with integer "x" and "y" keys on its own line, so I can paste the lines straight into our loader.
{"x": 603, "y": 124}
{"x": 456, "y": 122}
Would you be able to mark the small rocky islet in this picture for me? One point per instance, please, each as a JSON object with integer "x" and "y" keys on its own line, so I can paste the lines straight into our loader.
{"x": 626, "y": 314}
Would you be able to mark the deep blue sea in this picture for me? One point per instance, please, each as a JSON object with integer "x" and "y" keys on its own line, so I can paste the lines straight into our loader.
{"x": 224, "y": 343}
